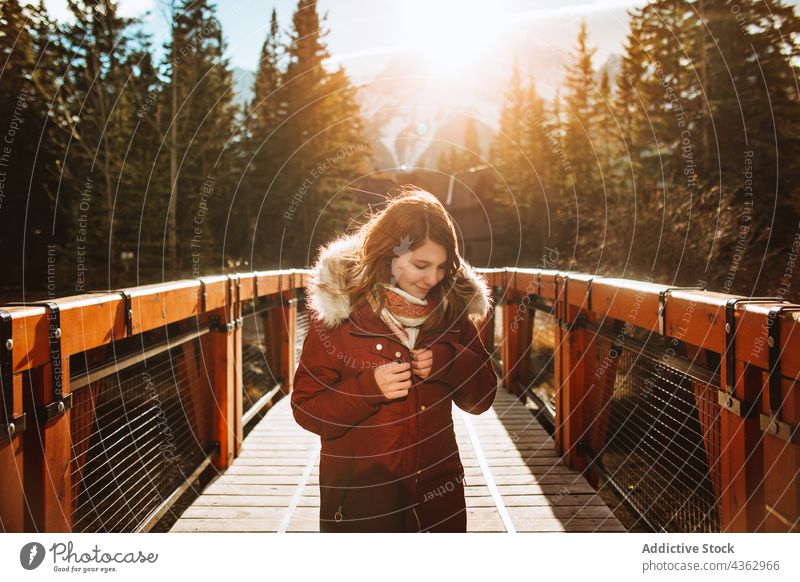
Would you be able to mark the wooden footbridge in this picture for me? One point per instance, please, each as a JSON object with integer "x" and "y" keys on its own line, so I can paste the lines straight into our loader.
{"x": 683, "y": 402}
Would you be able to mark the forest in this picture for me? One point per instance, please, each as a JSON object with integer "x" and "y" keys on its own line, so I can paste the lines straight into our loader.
{"x": 122, "y": 165}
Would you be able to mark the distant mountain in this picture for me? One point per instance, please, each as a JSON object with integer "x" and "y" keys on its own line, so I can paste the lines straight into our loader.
{"x": 413, "y": 114}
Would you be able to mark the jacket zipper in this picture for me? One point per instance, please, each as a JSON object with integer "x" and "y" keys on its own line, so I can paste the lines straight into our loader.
{"x": 337, "y": 517}
{"x": 419, "y": 525}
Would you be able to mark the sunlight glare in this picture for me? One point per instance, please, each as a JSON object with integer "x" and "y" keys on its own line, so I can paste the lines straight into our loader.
{"x": 452, "y": 35}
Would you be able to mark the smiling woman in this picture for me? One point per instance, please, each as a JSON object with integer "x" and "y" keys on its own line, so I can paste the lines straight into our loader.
{"x": 393, "y": 343}
{"x": 450, "y": 35}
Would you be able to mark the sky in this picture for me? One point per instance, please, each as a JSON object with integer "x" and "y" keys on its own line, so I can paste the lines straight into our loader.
{"x": 365, "y": 34}
{"x": 452, "y": 37}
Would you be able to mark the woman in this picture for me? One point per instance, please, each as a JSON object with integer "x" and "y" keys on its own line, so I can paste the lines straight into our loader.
{"x": 392, "y": 343}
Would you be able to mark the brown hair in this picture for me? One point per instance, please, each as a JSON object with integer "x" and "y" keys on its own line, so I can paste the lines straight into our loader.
{"x": 413, "y": 216}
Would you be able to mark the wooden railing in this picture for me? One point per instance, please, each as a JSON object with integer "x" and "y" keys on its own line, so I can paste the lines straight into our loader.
{"x": 755, "y": 364}
{"x": 737, "y": 358}
{"x": 40, "y": 442}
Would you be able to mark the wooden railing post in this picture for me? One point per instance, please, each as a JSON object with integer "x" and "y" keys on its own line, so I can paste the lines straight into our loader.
{"x": 48, "y": 482}
{"x": 12, "y": 459}
{"x": 238, "y": 392}
{"x": 222, "y": 350}
{"x": 779, "y": 421}
{"x": 281, "y": 332}
{"x": 781, "y": 485}
{"x": 288, "y": 339}
{"x": 517, "y": 339}
{"x": 570, "y": 384}
{"x": 741, "y": 500}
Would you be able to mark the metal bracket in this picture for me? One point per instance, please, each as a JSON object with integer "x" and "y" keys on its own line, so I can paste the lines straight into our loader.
{"x": 238, "y": 299}
{"x": 60, "y": 404}
{"x": 126, "y": 297}
{"x": 203, "y": 296}
{"x": 772, "y": 422}
{"x": 229, "y": 294}
{"x": 589, "y": 294}
{"x": 235, "y": 304}
{"x": 662, "y": 305}
{"x": 741, "y": 408}
{"x": 11, "y": 425}
{"x": 726, "y": 398}
{"x": 215, "y": 326}
{"x": 556, "y": 303}
{"x": 50, "y": 411}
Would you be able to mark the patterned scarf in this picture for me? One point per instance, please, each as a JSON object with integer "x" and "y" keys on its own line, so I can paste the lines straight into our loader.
{"x": 402, "y": 312}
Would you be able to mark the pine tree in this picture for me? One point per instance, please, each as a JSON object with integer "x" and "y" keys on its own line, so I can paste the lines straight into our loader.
{"x": 588, "y": 218}
{"x": 506, "y": 151}
{"x": 265, "y": 143}
{"x": 25, "y": 205}
{"x": 198, "y": 120}
{"x": 543, "y": 188}
{"x": 324, "y": 146}
{"x": 470, "y": 155}
{"x": 703, "y": 86}
{"x": 580, "y": 101}
{"x": 97, "y": 112}
{"x": 508, "y": 158}
{"x": 606, "y": 137}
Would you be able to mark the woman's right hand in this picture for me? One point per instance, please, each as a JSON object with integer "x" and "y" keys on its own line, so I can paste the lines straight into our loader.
{"x": 394, "y": 379}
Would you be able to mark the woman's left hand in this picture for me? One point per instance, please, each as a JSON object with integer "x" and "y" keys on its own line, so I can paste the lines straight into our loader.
{"x": 421, "y": 362}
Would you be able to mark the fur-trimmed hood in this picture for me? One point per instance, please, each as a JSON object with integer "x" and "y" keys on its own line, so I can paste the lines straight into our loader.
{"x": 328, "y": 300}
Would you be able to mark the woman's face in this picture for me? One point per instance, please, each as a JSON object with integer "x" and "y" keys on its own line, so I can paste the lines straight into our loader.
{"x": 417, "y": 271}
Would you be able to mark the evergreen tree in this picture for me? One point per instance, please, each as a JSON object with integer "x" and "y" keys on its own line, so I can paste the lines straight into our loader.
{"x": 264, "y": 145}
{"x": 25, "y": 147}
{"x": 580, "y": 101}
{"x": 700, "y": 86}
{"x": 543, "y": 187}
{"x": 97, "y": 113}
{"x": 324, "y": 147}
{"x": 506, "y": 151}
{"x": 198, "y": 121}
{"x": 587, "y": 220}
{"x": 508, "y": 158}
{"x": 470, "y": 156}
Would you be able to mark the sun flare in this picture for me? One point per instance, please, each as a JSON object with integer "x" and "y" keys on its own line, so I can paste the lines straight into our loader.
{"x": 452, "y": 35}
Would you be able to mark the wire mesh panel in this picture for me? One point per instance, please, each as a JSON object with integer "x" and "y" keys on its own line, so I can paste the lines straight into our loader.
{"x": 542, "y": 357}
{"x": 258, "y": 378}
{"x": 655, "y": 430}
{"x": 499, "y": 332}
{"x": 302, "y": 323}
{"x": 137, "y": 435}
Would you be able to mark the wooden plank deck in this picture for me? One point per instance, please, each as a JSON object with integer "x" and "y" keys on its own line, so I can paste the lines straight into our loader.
{"x": 515, "y": 482}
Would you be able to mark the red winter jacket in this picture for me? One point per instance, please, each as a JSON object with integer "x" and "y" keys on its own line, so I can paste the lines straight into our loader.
{"x": 387, "y": 465}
